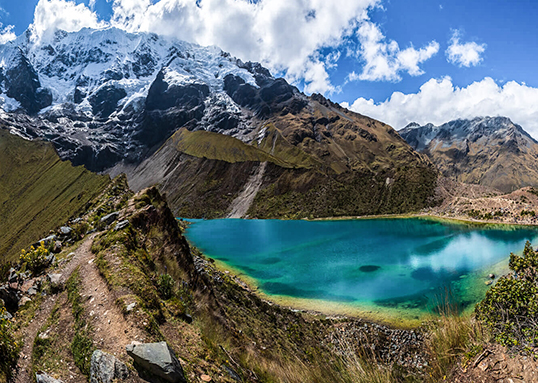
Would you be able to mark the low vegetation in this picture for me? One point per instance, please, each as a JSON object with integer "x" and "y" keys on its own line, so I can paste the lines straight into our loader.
{"x": 82, "y": 344}
{"x": 511, "y": 305}
{"x": 9, "y": 347}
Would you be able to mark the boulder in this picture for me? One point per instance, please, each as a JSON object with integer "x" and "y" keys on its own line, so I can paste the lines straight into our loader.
{"x": 23, "y": 301}
{"x": 109, "y": 218}
{"x": 41, "y": 377}
{"x": 106, "y": 368}
{"x": 122, "y": 225}
{"x": 157, "y": 359}
{"x": 65, "y": 230}
{"x": 57, "y": 247}
{"x": 46, "y": 240}
{"x": 10, "y": 297}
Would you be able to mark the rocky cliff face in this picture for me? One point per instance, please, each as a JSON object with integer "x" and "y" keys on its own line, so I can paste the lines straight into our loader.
{"x": 490, "y": 151}
{"x": 109, "y": 99}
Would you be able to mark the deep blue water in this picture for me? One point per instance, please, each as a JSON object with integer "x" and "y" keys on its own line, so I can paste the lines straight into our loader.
{"x": 406, "y": 263}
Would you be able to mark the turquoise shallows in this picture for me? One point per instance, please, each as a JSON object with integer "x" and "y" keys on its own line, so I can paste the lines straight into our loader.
{"x": 394, "y": 263}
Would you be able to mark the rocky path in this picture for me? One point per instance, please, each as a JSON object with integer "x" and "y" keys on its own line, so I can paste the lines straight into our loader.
{"x": 112, "y": 332}
{"x": 24, "y": 373}
{"x": 241, "y": 204}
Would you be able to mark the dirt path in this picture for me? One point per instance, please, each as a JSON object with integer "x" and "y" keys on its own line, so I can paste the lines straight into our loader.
{"x": 24, "y": 372}
{"x": 112, "y": 332}
{"x": 241, "y": 204}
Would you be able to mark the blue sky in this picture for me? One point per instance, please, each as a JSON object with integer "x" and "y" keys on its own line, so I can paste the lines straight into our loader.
{"x": 496, "y": 41}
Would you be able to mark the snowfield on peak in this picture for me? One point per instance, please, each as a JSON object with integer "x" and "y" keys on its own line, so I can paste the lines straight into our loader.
{"x": 76, "y": 65}
{"x": 103, "y": 96}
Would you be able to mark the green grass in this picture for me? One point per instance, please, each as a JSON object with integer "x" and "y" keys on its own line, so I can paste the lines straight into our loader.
{"x": 82, "y": 345}
{"x": 38, "y": 192}
{"x": 216, "y": 146}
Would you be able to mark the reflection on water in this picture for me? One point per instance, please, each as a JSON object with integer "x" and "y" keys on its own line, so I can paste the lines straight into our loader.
{"x": 387, "y": 262}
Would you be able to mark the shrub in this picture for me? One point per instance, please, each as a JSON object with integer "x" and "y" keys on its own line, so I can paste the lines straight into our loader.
{"x": 9, "y": 348}
{"x": 34, "y": 260}
{"x": 511, "y": 306}
{"x": 166, "y": 286}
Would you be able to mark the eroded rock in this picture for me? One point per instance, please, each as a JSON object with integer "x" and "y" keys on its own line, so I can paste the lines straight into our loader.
{"x": 106, "y": 368}
{"x": 157, "y": 359}
{"x": 109, "y": 218}
{"x": 41, "y": 377}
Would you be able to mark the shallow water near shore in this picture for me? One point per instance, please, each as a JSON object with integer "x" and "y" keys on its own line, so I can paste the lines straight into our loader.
{"x": 400, "y": 269}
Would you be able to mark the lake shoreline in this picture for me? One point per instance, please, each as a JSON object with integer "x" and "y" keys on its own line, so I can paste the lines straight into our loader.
{"x": 398, "y": 315}
{"x": 453, "y": 219}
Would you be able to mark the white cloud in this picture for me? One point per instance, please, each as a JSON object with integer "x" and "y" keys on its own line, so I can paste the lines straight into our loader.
{"x": 464, "y": 54}
{"x": 284, "y": 35}
{"x": 439, "y": 101}
{"x": 7, "y": 34}
{"x": 353, "y": 76}
{"x": 383, "y": 59}
{"x": 51, "y": 15}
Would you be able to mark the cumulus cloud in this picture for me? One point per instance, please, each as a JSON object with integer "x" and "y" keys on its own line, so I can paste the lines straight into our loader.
{"x": 439, "y": 101}
{"x": 291, "y": 38}
{"x": 51, "y": 15}
{"x": 7, "y": 34}
{"x": 284, "y": 35}
{"x": 384, "y": 60}
{"x": 464, "y": 54}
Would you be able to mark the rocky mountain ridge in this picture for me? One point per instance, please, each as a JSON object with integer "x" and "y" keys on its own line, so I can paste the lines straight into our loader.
{"x": 489, "y": 151}
{"x": 110, "y": 100}
{"x": 104, "y": 96}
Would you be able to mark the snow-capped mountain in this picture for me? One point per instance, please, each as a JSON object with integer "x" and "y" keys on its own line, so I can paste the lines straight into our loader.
{"x": 103, "y": 96}
{"x": 156, "y": 109}
{"x": 491, "y": 151}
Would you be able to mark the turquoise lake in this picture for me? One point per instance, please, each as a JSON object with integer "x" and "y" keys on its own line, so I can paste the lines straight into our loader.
{"x": 404, "y": 265}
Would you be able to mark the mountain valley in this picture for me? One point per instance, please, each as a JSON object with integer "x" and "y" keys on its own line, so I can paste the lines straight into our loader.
{"x": 110, "y": 141}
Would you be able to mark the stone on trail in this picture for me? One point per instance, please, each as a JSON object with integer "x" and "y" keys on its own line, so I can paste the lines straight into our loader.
{"x": 106, "y": 368}
{"x": 41, "y": 377}
{"x": 109, "y": 218}
{"x": 54, "y": 278}
{"x": 157, "y": 359}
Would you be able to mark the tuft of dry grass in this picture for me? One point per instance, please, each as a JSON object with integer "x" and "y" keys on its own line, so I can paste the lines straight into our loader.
{"x": 452, "y": 337}
{"x": 362, "y": 366}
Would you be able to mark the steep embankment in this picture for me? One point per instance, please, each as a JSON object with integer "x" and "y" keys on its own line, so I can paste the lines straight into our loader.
{"x": 38, "y": 191}
{"x": 142, "y": 282}
{"x": 488, "y": 151}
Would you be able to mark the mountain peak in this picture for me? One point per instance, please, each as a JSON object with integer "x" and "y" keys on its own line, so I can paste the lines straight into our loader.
{"x": 491, "y": 151}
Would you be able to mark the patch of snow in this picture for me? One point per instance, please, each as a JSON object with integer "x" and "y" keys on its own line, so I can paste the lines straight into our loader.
{"x": 8, "y": 104}
{"x": 261, "y": 135}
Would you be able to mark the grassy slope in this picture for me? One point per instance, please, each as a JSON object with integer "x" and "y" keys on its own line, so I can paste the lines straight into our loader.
{"x": 38, "y": 191}
{"x": 347, "y": 164}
